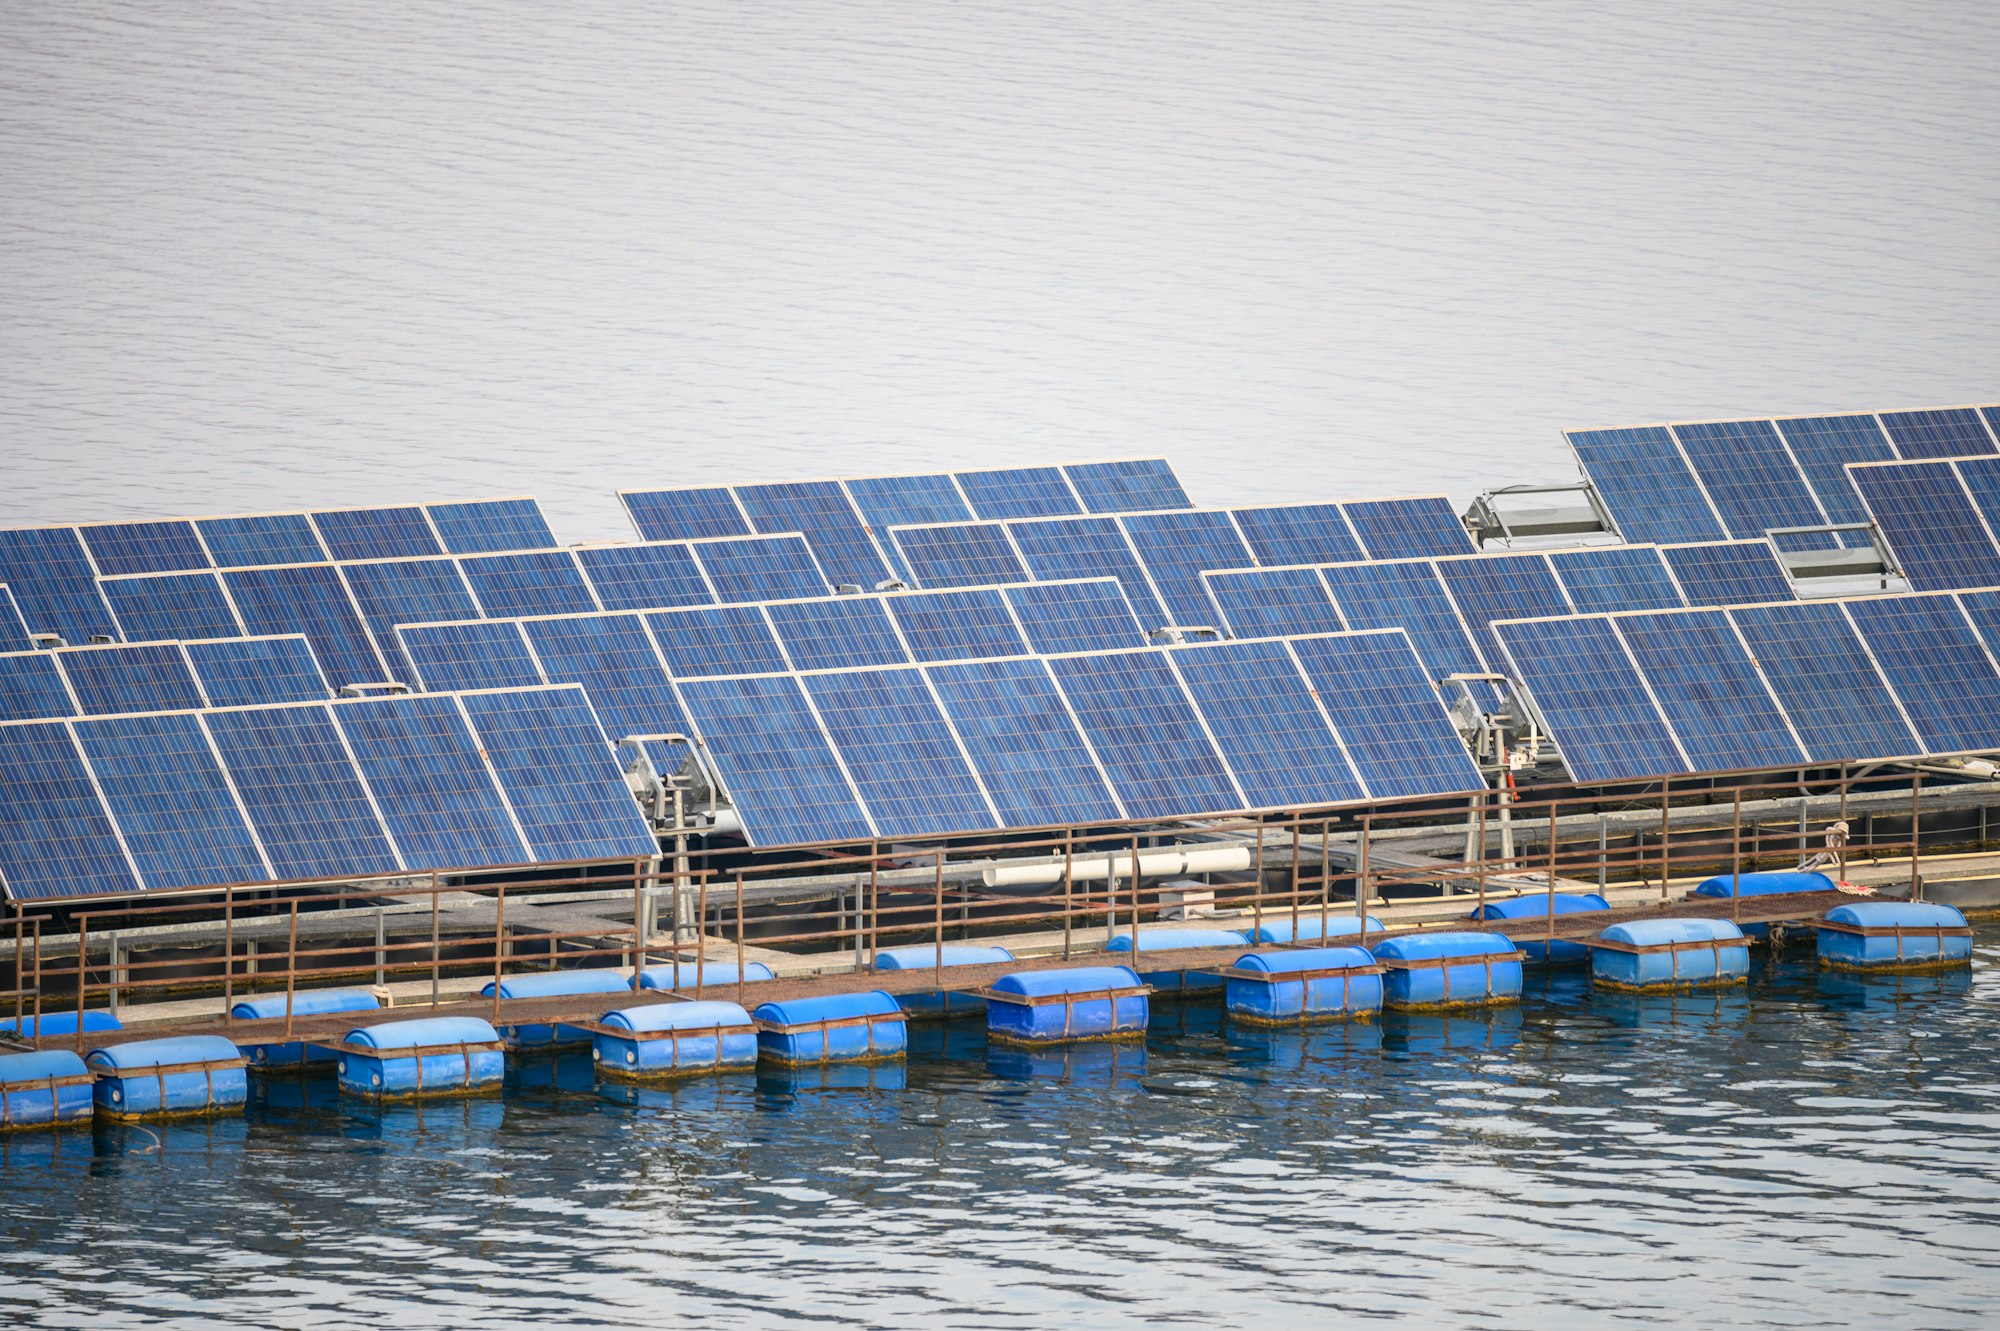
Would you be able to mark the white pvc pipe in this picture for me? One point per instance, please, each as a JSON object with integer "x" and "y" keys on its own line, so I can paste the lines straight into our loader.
{"x": 1092, "y": 868}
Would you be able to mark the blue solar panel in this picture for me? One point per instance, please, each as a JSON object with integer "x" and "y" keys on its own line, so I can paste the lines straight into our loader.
{"x": 1824, "y": 445}
{"x": 1992, "y": 415}
{"x": 1615, "y": 577}
{"x": 377, "y": 533}
{"x": 900, "y": 751}
{"x": 723, "y": 640}
{"x": 1020, "y": 492}
{"x": 537, "y": 582}
{"x": 144, "y": 547}
{"x": 958, "y": 626}
{"x": 406, "y": 591}
{"x": 270, "y": 538}
{"x": 612, "y": 656}
{"x": 306, "y": 801}
{"x": 1415, "y": 528}
{"x": 1930, "y": 524}
{"x": 1126, "y": 487}
{"x": 1085, "y": 616}
{"x": 486, "y": 525}
{"x": 169, "y": 798}
{"x": 1823, "y": 678}
{"x": 252, "y": 672}
{"x": 1983, "y": 609}
{"x": 1728, "y": 573}
{"x": 1266, "y": 601}
{"x": 1749, "y": 475}
{"x": 963, "y": 555}
{"x": 1409, "y": 597}
{"x": 1938, "y": 668}
{"x": 774, "y": 761}
{"x": 1024, "y": 743}
{"x": 822, "y": 512}
{"x": 644, "y": 577}
{"x": 1981, "y": 478}
{"x": 56, "y": 839}
{"x": 145, "y": 677}
{"x": 837, "y": 634}
{"x": 1646, "y": 484}
{"x": 1299, "y": 534}
{"x": 568, "y": 794}
{"x": 1592, "y": 698}
{"x": 310, "y": 599}
{"x": 13, "y": 629}
{"x": 1388, "y": 715}
{"x": 899, "y": 501}
{"x": 479, "y": 655}
{"x": 1710, "y": 692}
{"x": 434, "y": 788}
{"x": 1176, "y": 548}
{"x": 172, "y": 605}
{"x": 1147, "y": 735}
{"x": 54, "y": 584}
{"x": 761, "y": 568}
{"x": 1061, "y": 549}
{"x": 32, "y": 688}
{"x": 685, "y": 515}
{"x": 1268, "y": 723}
{"x": 1501, "y": 587}
{"x": 1948, "y": 432}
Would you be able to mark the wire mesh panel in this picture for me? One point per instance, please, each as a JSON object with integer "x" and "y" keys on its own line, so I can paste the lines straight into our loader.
{"x": 170, "y": 801}
{"x": 900, "y": 751}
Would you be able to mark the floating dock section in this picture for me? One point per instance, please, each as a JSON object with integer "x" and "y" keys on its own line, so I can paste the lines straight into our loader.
{"x": 1165, "y": 940}
{"x": 311, "y": 1003}
{"x": 1894, "y": 938}
{"x": 669, "y": 1040}
{"x": 1278, "y": 929}
{"x": 44, "y": 1090}
{"x": 923, "y": 957}
{"x": 839, "y": 1028}
{"x": 1305, "y": 985}
{"x": 93, "y": 1022}
{"x": 422, "y": 1058}
{"x": 1034, "y": 1008}
{"x": 1541, "y": 951}
{"x": 1653, "y": 956}
{"x": 180, "y": 1077}
{"x": 1438, "y": 972}
{"x": 553, "y": 984}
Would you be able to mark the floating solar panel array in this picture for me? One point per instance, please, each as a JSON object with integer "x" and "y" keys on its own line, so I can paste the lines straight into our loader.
{"x": 889, "y": 751}
{"x": 847, "y": 522}
{"x": 1660, "y": 693}
{"x": 350, "y": 610}
{"x": 1447, "y": 605}
{"x": 330, "y": 789}
{"x": 14, "y": 635}
{"x": 158, "y": 677}
{"x": 1159, "y": 557}
{"x": 53, "y": 571}
{"x": 1705, "y": 480}
{"x": 1940, "y": 518}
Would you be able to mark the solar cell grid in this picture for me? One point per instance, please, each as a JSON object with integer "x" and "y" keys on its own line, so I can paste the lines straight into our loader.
{"x": 822, "y": 512}
{"x": 957, "y": 625}
{"x": 1390, "y": 720}
{"x": 964, "y": 555}
{"x": 172, "y": 606}
{"x": 723, "y": 640}
{"x": 485, "y": 525}
{"x": 170, "y": 801}
{"x": 1595, "y": 703}
{"x": 1710, "y": 691}
{"x": 1024, "y": 743}
{"x": 1270, "y": 601}
{"x": 266, "y": 538}
{"x": 406, "y": 591}
{"x": 436, "y": 794}
{"x": 1930, "y": 523}
{"x": 1146, "y": 734}
{"x": 1981, "y": 478}
{"x": 1749, "y": 475}
{"x": 310, "y": 599}
{"x": 1493, "y": 587}
{"x": 895, "y": 501}
{"x": 1021, "y": 492}
{"x": 685, "y": 515}
{"x": 480, "y": 654}
{"x": 1082, "y": 616}
{"x": 1299, "y": 534}
{"x": 1065, "y": 549}
{"x": 1825, "y": 681}
{"x": 1938, "y": 668}
{"x": 1414, "y": 528}
{"x": 761, "y": 568}
{"x": 556, "y": 768}
{"x": 1646, "y": 483}
{"x": 1823, "y": 446}
{"x": 1268, "y": 723}
{"x": 306, "y": 801}
{"x": 376, "y": 533}
{"x": 537, "y": 582}
{"x": 144, "y": 547}
{"x": 54, "y": 583}
{"x": 1409, "y": 597}
{"x": 1728, "y": 573}
{"x": 56, "y": 837}
{"x": 1177, "y": 547}
{"x": 836, "y": 634}
{"x": 644, "y": 577}
{"x": 612, "y": 657}
{"x": 144, "y": 677}
{"x": 774, "y": 761}
{"x": 13, "y": 629}
{"x": 32, "y": 688}
{"x": 1615, "y": 578}
{"x": 1983, "y": 609}
{"x": 248, "y": 672}
{"x": 900, "y": 752}
{"x": 1130, "y": 486}
{"x": 1945, "y": 432}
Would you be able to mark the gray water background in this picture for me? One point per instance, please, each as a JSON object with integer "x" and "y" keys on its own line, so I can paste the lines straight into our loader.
{"x": 259, "y": 255}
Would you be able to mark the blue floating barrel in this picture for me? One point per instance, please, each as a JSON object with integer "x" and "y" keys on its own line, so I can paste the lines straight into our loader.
{"x": 683, "y": 974}
{"x": 674, "y": 1040}
{"x": 176, "y": 1077}
{"x": 1765, "y": 884}
{"x": 1540, "y": 951}
{"x": 60, "y": 1023}
{"x": 554, "y": 984}
{"x": 1166, "y": 940}
{"x": 924, "y": 956}
{"x": 44, "y": 1090}
{"x": 1278, "y": 928}
{"x": 1649, "y": 955}
{"x": 1429, "y": 972}
{"x": 838, "y": 1028}
{"x": 1894, "y": 937}
{"x": 310, "y": 1003}
{"x": 1308, "y": 984}
{"x": 1081, "y": 1003}
{"x": 420, "y": 1058}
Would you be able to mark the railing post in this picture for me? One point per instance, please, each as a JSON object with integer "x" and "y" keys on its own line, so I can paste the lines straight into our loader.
{"x": 291, "y": 967}
{"x": 1361, "y": 877}
{"x": 228, "y": 956}
{"x": 1135, "y": 901}
{"x": 435, "y": 950}
{"x": 1480, "y": 871}
{"x": 1916, "y": 837}
{"x": 1666, "y": 864}
{"x": 739, "y": 941}
{"x": 499, "y": 945}
{"x": 381, "y": 945}
{"x": 701, "y": 939}
{"x": 940, "y": 921}
{"x": 112, "y": 959}
{"x": 1295, "y": 882}
{"x": 1550, "y": 934}
{"x": 1736, "y": 860}
{"x": 82, "y": 972}
{"x": 38, "y": 982}
{"x": 1325, "y": 880}
{"x": 1069, "y": 888}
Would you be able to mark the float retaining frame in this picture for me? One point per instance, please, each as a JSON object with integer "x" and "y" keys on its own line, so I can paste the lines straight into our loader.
{"x": 1069, "y": 1002}
{"x": 675, "y": 1035}
{"x": 1676, "y": 946}
{"x": 1445, "y": 964}
{"x": 53, "y": 1083}
{"x": 158, "y": 1071}
{"x": 1303, "y": 978}
{"x": 465, "y": 1049}
{"x": 825, "y": 1024}
{"x": 1938, "y": 932}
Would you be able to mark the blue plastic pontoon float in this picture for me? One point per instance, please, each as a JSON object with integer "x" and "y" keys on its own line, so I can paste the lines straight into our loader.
{"x": 421, "y": 1058}
{"x": 1437, "y": 972}
{"x": 1658, "y": 955}
{"x": 310, "y": 1003}
{"x": 836, "y": 1028}
{"x": 177, "y": 1077}
{"x": 685, "y": 974}
{"x": 662, "y": 1040}
{"x": 95, "y": 1022}
{"x": 1302, "y": 985}
{"x": 1541, "y": 951}
{"x": 925, "y": 956}
{"x": 553, "y": 984}
{"x": 1278, "y": 929}
{"x": 45, "y": 1089}
{"x": 1165, "y": 940}
{"x": 1053, "y": 1007}
{"x": 1894, "y": 938}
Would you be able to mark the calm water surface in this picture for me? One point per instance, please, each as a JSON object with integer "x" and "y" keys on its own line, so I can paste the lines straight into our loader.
{"x": 1815, "y": 1152}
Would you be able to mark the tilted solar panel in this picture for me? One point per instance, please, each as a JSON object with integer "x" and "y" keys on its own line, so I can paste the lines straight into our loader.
{"x": 249, "y": 672}
{"x": 267, "y": 538}
{"x": 1082, "y": 616}
{"x": 1064, "y": 549}
{"x": 761, "y": 568}
{"x": 1268, "y": 723}
{"x": 54, "y": 583}
{"x": 1750, "y": 476}
{"x": 170, "y": 606}
{"x": 1597, "y": 707}
{"x": 1255, "y": 603}
{"x": 32, "y": 688}
{"x": 1490, "y": 587}
{"x": 144, "y": 547}
{"x": 437, "y": 795}
{"x": 556, "y": 769}
{"x": 1728, "y": 572}
{"x": 1024, "y": 743}
{"x": 1389, "y": 718}
{"x": 1930, "y": 523}
{"x": 1944, "y": 432}
{"x": 685, "y": 515}
{"x": 479, "y": 654}
{"x": 1826, "y": 682}
{"x": 1615, "y": 577}
{"x": 957, "y": 625}
{"x": 774, "y": 761}
{"x": 1824, "y": 445}
{"x": 298, "y": 781}
{"x": 310, "y": 599}
{"x": 1176, "y": 548}
{"x": 1408, "y": 597}
{"x": 823, "y": 514}
{"x": 533, "y": 582}
{"x": 1020, "y": 492}
{"x": 901, "y": 753}
{"x": 143, "y": 677}
{"x": 1146, "y": 734}
{"x": 56, "y": 837}
{"x": 1126, "y": 487}
{"x": 1983, "y": 609}
{"x": 404, "y": 591}
{"x": 961, "y": 555}
{"x": 377, "y": 533}
{"x": 1710, "y": 691}
{"x": 613, "y": 657}
{"x": 484, "y": 525}
{"x": 1938, "y": 667}
{"x": 174, "y": 809}
{"x": 1981, "y": 478}
{"x": 644, "y": 577}
{"x": 1646, "y": 483}
{"x": 897, "y": 501}
{"x": 722, "y": 640}
{"x": 13, "y": 629}
{"x": 836, "y": 634}
{"x": 1415, "y": 528}
{"x": 1299, "y": 534}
